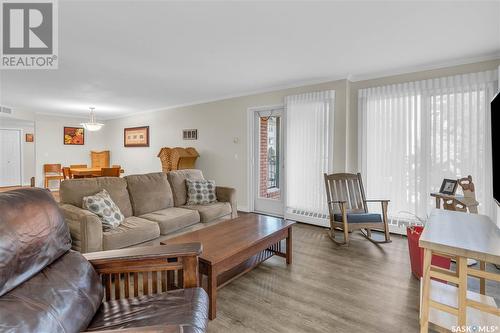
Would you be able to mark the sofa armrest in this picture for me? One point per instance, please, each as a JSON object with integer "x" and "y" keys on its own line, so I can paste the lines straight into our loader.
{"x": 228, "y": 194}
{"x": 149, "y": 259}
{"x": 85, "y": 228}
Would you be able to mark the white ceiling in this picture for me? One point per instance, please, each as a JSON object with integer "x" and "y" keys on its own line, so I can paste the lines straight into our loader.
{"x": 125, "y": 57}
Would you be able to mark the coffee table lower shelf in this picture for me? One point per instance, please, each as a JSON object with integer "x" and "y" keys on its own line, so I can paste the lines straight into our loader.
{"x": 233, "y": 247}
{"x": 213, "y": 277}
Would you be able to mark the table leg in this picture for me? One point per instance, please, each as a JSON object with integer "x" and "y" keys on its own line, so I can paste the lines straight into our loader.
{"x": 289, "y": 246}
{"x": 180, "y": 279}
{"x": 482, "y": 281}
{"x": 462, "y": 290}
{"x": 426, "y": 281}
{"x": 170, "y": 280}
{"x": 212, "y": 292}
{"x": 438, "y": 203}
{"x": 200, "y": 280}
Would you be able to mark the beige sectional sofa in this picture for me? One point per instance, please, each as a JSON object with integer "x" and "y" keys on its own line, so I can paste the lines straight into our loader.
{"x": 153, "y": 204}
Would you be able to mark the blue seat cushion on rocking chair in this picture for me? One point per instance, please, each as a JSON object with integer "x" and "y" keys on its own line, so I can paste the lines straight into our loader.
{"x": 359, "y": 217}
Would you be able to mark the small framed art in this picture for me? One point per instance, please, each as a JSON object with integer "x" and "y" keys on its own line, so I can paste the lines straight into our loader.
{"x": 136, "y": 136}
{"x": 449, "y": 186}
{"x": 74, "y": 136}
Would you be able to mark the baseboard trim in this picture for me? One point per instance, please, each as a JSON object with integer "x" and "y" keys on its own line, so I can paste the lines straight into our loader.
{"x": 243, "y": 209}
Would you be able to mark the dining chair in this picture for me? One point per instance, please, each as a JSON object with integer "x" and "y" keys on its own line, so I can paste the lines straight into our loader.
{"x": 118, "y": 166}
{"x": 348, "y": 208}
{"x": 52, "y": 172}
{"x": 110, "y": 172}
{"x": 67, "y": 172}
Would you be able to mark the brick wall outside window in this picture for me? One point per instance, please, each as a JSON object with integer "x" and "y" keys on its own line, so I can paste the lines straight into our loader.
{"x": 263, "y": 163}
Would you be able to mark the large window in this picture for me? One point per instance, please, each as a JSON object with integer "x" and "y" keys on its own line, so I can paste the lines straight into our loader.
{"x": 415, "y": 134}
{"x": 308, "y": 155}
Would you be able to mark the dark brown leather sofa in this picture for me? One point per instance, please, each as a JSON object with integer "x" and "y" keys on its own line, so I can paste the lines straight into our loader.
{"x": 47, "y": 287}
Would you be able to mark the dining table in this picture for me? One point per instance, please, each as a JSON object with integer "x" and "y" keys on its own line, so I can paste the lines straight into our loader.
{"x": 85, "y": 172}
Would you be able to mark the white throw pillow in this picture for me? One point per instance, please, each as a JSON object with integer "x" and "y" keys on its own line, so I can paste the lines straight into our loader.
{"x": 103, "y": 206}
{"x": 200, "y": 192}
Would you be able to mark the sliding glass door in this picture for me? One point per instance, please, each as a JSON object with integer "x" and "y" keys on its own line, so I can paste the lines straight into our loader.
{"x": 268, "y": 152}
{"x": 415, "y": 134}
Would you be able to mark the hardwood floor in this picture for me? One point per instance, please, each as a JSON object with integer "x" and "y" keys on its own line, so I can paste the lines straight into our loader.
{"x": 360, "y": 288}
{"x": 363, "y": 287}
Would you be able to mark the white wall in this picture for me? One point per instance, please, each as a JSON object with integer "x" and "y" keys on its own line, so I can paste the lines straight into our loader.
{"x": 50, "y": 146}
{"x": 218, "y": 124}
{"x": 27, "y": 148}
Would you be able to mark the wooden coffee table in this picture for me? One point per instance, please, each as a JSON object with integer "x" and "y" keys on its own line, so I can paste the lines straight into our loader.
{"x": 232, "y": 248}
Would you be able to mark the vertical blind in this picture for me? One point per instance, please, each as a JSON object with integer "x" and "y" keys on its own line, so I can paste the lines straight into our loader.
{"x": 413, "y": 135}
{"x": 309, "y": 124}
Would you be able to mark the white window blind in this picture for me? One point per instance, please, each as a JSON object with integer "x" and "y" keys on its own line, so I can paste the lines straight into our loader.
{"x": 413, "y": 135}
{"x": 309, "y": 124}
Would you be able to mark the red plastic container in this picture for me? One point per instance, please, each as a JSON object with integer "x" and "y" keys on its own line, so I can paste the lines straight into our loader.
{"x": 417, "y": 253}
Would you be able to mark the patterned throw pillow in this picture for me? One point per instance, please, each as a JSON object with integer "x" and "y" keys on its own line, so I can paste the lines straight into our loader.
{"x": 103, "y": 206}
{"x": 200, "y": 192}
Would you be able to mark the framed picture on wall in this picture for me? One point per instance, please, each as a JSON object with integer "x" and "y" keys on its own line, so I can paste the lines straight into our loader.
{"x": 136, "y": 136}
{"x": 74, "y": 136}
{"x": 30, "y": 137}
{"x": 449, "y": 186}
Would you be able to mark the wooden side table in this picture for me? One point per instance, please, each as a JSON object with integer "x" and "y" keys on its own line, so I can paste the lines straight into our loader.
{"x": 460, "y": 236}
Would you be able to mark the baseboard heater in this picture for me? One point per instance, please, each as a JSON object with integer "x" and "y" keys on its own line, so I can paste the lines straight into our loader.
{"x": 304, "y": 216}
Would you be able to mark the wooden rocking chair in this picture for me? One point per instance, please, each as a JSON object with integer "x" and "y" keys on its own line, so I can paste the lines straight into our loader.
{"x": 348, "y": 208}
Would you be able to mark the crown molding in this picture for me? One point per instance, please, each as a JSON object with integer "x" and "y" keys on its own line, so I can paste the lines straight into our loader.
{"x": 426, "y": 67}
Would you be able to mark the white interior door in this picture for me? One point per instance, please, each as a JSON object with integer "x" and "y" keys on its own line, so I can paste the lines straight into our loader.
{"x": 10, "y": 157}
{"x": 268, "y": 157}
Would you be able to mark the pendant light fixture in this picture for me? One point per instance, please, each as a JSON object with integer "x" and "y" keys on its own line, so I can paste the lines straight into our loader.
{"x": 92, "y": 125}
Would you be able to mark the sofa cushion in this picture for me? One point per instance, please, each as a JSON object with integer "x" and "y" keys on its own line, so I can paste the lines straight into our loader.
{"x": 32, "y": 235}
{"x": 187, "y": 308}
{"x": 149, "y": 192}
{"x": 211, "y": 211}
{"x": 103, "y": 206}
{"x": 133, "y": 230}
{"x": 359, "y": 217}
{"x": 177, "y": 180}
{"x": 200, "y": 192}
{"x": 72, "y": 191}
{"x": 63, "y": 297}
{"x": 173, "y": 219}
